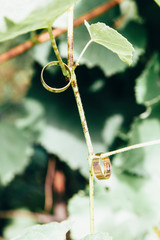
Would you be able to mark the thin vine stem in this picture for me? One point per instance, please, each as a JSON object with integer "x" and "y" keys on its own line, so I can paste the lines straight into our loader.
{"x": 91, "y": 194}
{"x": 82, "y": 116}
{"x": 90, "y": 149}
{"x": 70, "y": 37}
{"x": 55, "y": 48}
{"x": 140, "y": 145}
{"x": 83, "y": 51}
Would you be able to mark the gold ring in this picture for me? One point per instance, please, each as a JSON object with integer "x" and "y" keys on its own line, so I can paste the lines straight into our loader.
{"x": 101, "y": 166}
{"x": 46, "y": 86}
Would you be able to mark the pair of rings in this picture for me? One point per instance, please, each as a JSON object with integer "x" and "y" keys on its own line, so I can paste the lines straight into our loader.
{"x": 51, "y": 89}
{"x": 101, "y": 166}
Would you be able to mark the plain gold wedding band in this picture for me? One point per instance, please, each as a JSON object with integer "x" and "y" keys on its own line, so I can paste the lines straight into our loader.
{"x": 101, "y": 166}
{"x": 51, "y": 89}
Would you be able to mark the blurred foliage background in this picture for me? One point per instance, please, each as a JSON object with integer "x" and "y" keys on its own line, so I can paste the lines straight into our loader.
{"x": 43, "y": 155}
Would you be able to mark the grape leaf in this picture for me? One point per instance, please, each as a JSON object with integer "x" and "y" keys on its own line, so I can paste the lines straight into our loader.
{"x": 97, "y": 236}
{"x": 30, "y": 15}
{"x": 111, "y": 39}
{"x": 143, "y": 161}
{"x": 147, "y": 87}
{"x": 96, "y": 55}
{"x": 123, "y": 202}
{"x": 41, "y": 52}
{"x": 158, "y": 2}
{"x": 15, "y": 151}
{"x": 81, "y": 37}
{"x": 56, "y": 231}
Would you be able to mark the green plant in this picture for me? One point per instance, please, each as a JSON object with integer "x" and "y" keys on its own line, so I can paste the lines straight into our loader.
{"x": 111, "y": 39}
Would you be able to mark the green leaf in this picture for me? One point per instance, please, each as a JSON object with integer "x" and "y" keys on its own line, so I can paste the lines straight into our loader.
{"x": 126, "y": 203}
{"x": 56, "y": 231}
{"x": 158, "y": 2}
{"x": 42, "y": 52}
{"x": 97, "y": 236}
{"x": 111, "y": 39}
{"x": 147, "y": 88}
{"x": 40, "y": 14}
{"x": 98, "y": 56}
{"x": 15, "y": 152}
{"x": 81, "y": 37}
{"x": 9, "y": 23}
{"x": 105, "y": 58}
{"x": 142, "y": 161}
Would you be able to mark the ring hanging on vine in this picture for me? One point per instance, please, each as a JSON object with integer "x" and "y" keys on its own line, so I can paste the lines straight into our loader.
{"x": 51, "y": 89}
{"x": 101, "y": 166}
